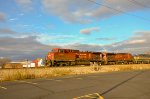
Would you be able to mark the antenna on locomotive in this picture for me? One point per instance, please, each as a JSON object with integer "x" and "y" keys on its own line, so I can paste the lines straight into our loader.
{"x": 104, "y": 49}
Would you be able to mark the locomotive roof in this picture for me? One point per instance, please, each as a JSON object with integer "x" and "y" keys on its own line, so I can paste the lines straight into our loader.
{"x": 63, "y": 49}
{"x": 118, "y": 53}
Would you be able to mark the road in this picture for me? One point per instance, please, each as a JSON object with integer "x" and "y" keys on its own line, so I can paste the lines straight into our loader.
{"x": 116, "y": 85}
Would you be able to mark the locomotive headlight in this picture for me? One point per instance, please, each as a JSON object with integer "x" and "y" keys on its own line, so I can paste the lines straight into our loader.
{"x": 49, "y": 56}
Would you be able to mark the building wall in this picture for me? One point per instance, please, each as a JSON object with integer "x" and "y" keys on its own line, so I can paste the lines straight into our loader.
{"x": 13, "y": 65}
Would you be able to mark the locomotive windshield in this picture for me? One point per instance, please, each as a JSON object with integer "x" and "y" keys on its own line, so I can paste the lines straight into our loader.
{"x": 61, "y": 50}
{"x": 58, "y": 50}
{"x": 54, "y": 50}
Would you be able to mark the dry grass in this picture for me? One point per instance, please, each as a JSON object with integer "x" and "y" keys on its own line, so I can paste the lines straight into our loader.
{"x": 31, "y": 73}
{"x": 113, "y": 68}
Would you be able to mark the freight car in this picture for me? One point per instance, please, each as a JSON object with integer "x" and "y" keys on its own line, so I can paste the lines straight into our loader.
{"x": 63, "y": 57}
{"x": 142, "y": 59}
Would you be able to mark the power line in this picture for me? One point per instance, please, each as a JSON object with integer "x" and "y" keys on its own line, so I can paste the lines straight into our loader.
{"x": 138, "y": 3}
{"x": 119, "y": 10}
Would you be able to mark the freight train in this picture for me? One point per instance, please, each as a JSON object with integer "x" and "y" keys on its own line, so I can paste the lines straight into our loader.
{"x": 70, "y": 57}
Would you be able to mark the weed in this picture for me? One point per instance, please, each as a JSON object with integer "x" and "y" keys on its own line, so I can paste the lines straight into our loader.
{"x": 31, "y": 73}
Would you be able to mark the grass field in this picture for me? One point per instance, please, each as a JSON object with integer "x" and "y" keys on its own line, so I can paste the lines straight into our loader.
{"x": 31, "y": 73}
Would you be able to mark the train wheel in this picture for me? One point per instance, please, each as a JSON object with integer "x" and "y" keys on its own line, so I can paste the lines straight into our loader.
{"x": 60, "y": 64}
{"x": 113, "y": 63}
{"x": 67, "y": 63}
{"x": 91, "y": 63}
{"x": 99, "y": 63}
{"x": 48, "y": 63}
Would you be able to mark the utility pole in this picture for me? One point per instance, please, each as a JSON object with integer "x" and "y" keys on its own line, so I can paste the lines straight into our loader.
{"x": 27, "y": 63}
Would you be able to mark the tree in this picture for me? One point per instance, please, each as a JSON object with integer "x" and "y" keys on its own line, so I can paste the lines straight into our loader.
{"x": 4, "y": 61}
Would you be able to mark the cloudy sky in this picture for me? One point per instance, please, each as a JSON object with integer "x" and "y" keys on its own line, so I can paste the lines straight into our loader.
{"x": 31, "y": 28}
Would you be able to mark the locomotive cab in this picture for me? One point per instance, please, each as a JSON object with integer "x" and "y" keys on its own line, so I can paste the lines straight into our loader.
{"x": 57, "y": 50}
{"x": 64, "y": 50}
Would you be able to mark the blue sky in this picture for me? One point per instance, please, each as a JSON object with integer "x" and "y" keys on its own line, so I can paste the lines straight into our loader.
{"x": 83, "y": 25}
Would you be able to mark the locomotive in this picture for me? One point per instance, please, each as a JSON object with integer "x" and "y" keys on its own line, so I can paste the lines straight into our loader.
{"x": 70, "y": 57}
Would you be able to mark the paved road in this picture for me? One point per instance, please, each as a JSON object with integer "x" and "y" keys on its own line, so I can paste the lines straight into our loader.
{"x": 118, "y": 85}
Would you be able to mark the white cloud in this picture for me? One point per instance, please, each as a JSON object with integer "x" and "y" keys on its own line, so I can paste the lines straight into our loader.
{"x": 7, "y": 31}
{"x": 136, "y": 41}
{"x": 60, "y": 40}
{"x": 21, "y": 14}
{"x": 25, "y": 4}
{"x": 89, "y": 30}
{"x": 68, "y": 10}
{"x": 139, "y": 43}
{"x": 2, "y": 17}
{"x": 13, "y": 19}
{"x": 84, "y": 47}
{"x": 23, "y": 48}
{"x": 105, "y": 39}
{"x": 84, "y": 11}
{"x": 30, "y": 47}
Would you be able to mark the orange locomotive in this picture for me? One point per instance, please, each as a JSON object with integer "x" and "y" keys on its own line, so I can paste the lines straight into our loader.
{"x": 68, "y": 57}
{"x": 62, "y": 57}
{"x": 120, "y": 58}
